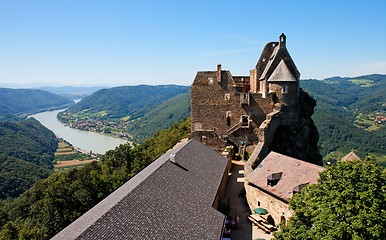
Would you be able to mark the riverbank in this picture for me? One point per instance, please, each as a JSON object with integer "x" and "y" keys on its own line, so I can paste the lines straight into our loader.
{"x": 68, "y": 156}
{"x": 84, "y": 140}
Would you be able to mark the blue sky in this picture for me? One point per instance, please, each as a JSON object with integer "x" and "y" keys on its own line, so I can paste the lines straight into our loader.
{"x": 82, "y": 42}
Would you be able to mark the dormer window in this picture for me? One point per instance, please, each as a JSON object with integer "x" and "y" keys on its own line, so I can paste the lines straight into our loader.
{"x": 274, "y": 178}
{"x": 299, "y": 187}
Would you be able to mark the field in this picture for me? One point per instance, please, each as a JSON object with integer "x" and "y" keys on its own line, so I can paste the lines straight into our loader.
{"x": 363, "y": 82}
{"x": 67, "y": 156}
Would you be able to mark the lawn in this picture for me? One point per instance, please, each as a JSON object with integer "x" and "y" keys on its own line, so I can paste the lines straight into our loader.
{"x": 363, "y": 82}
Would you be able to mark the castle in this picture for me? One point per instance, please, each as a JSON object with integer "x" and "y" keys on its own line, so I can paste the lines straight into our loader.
{"x": 268, "y": 115}
{"x": 245, "y": 110}
{"x": 266, "y": 112}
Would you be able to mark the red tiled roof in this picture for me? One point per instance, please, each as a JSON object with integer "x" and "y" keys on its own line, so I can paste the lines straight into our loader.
{"x": 295, "y": 172}
{"x": 351, "y": 156}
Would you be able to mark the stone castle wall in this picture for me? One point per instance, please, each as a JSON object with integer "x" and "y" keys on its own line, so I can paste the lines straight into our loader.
{"x": 276, "y": 208}
{"x": 218, "y": 107}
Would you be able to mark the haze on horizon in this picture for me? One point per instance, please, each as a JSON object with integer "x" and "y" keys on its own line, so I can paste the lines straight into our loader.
{"x": 64, "y": 43}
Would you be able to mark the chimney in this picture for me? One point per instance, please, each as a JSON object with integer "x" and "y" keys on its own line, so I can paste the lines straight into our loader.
{"x": 173, "y": 158}
{"x": 218, "y": 73}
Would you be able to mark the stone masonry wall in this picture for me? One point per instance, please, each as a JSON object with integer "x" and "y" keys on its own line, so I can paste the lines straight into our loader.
{"x": 216, "y": 106}
{"x": 275, "y": 207}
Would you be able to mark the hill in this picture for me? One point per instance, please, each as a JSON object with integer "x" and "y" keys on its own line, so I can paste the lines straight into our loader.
{"x": 346, "y": 115}
{"x": 26, "y": 153}
{"x": 26, "y": 101}
{"x": 53, "y": 203}
{"x": 162, "y": 116}
{"x": 72, "y": 93}
{"x": 129, "y": 102}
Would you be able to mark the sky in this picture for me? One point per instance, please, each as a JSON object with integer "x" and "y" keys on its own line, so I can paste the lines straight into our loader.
{"x": 120, "y": 43}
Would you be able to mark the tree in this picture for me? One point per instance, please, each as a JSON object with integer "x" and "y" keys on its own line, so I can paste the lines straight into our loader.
{"x": 349, "y": 202}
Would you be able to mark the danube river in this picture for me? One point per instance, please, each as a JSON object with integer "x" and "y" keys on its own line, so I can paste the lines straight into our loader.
{"x": 89, "y": 141}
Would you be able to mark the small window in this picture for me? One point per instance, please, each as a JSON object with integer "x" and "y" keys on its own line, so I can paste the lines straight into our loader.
{"x": 285, "y": 89}
{"x": 227, "y": 96}
{"x": 244, "y": 98}
{"x": 228, "y": 118}
{"x": 244, "y": 120}
{"x": 210, "y": 80}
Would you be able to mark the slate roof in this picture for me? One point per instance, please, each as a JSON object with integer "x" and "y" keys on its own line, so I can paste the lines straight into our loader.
{"x": 295, "y": 172}
{"x": 276, "y": 54}
{"x": 164, "y": 201}
{"x": 282, "y": 74}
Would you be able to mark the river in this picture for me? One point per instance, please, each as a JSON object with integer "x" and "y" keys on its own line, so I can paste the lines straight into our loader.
{"x": 89, "y": 141}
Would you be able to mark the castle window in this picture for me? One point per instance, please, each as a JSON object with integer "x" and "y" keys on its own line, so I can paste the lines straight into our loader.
{"x": 227, "y": 96}
{"x": 244, "y": 121}
{"x": 244, "y": 98}
{"x": 285, "y": 89}
{"x": 228, "y": 117}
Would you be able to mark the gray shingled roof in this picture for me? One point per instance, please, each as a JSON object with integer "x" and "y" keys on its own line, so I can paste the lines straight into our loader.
{"x": 164, "y": 201}
{"x": 282, "y": 74}
{"x": 295, "y": 172}
{"x": 270, "y": 62}
{"x": 277, "y": 54}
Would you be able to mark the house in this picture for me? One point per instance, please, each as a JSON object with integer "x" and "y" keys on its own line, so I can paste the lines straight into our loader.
{"x": 274, "y": 182}
{"x": 351, "y": 156}
{"x": 175, "y": 197}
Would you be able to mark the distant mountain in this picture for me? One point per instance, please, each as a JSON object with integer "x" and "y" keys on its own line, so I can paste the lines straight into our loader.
{"x": 346, "y": 114}
{"x": 72, "y": 93}
{"x": 130, "y": 101}
{"x": 163, "y": 116}
{"x": 25, "y": 101}
{"x": 26, "y": 153}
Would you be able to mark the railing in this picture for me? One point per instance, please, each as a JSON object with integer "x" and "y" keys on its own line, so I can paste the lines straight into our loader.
{"x": 234, "y": 128}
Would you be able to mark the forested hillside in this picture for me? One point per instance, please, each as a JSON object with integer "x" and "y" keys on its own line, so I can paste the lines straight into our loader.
{"x": 124, "y": 102}
{"x": 27, "y": 101}
{"x": 53, "y": 203}
{"x": 162, "y": 116}
{"x": 26, "y": 153}
{"x": 349, "y": 115}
